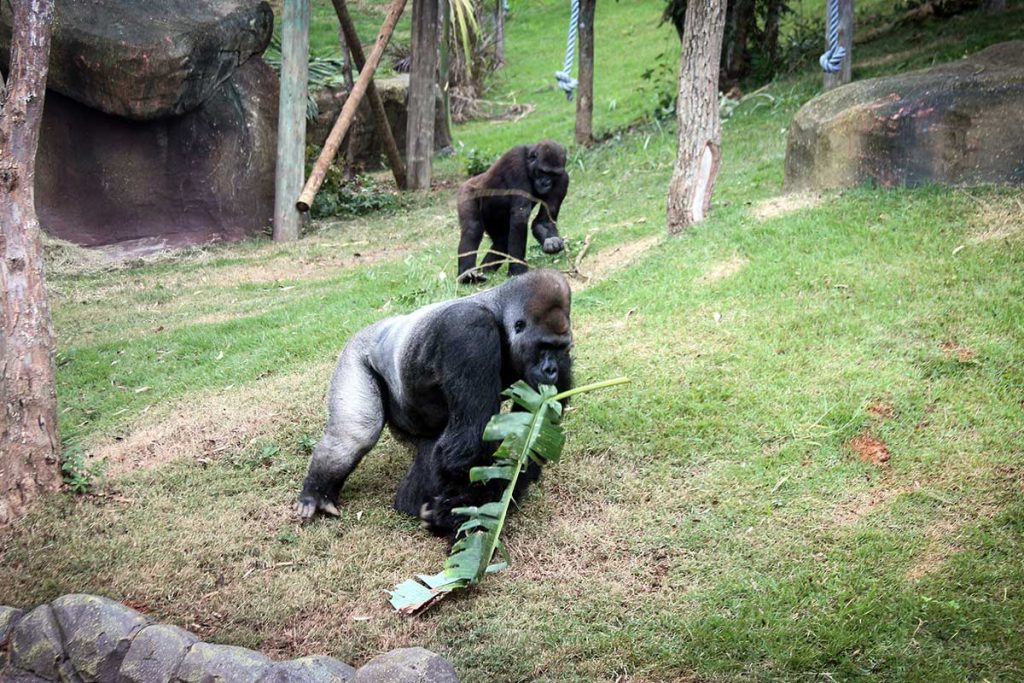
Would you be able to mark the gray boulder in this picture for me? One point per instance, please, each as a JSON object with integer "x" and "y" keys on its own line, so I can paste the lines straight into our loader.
{"x": 36, "y": 645}
{"x": 8, "y": 618}
{"x": 957, "y": 123}
{"x": 316, "y": 669}
{"x": 148, "y": 60}
{"x": 97, "y": 632}
{"x": 206, "y": 663}
{"x": 407, "y": 665}
{"x": 155, "y": 654}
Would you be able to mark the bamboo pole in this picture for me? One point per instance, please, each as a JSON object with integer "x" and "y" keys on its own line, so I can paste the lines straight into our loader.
{"x": 348, "y": 112}
{"x": 291, "y": 119}
{"x": 380, "y": 116}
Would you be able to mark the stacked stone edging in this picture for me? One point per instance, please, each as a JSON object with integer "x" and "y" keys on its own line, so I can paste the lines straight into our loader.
{"x": 89, "y": 638}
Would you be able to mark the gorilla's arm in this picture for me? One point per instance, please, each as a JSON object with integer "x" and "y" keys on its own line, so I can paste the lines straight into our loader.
{"x": 518, "y": 222}
{"x": 472, "y": 230}
{"x": 545, "y": 225}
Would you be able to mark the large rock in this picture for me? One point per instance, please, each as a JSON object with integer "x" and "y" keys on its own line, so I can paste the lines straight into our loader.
{"x": 407, "y": 665}
{"x": 36, "y": 645}
{"x": 97, "y": 632}
{"x": 957, "y": 123}
{"x": 362, "y": 149}
{"x": 207, "y": 175}
{"x": 206, "y": 663}
{"x": 315, "y": 669}
{"x": 155, "y": 654}
{"x": 147, "y": 60}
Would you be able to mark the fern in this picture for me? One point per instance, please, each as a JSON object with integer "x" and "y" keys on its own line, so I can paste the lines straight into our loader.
{"x": 532, "y": 434}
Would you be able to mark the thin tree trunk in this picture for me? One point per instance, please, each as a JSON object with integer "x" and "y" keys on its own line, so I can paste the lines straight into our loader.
{"x": 700, "y": 131}
{"x": 422, "y": 95}
{"x": 499, "y": 33}
{"x": 585, "y": 92}
{"x": 291, "y": 119}
{"x": 739, "y": 20}
{"x": 29, "y": 443}
{"x": 846, "y": 40}
{"x": 772, "y": 20}
{"x": 994, "y": 6}
{"x": 346, "y": 58}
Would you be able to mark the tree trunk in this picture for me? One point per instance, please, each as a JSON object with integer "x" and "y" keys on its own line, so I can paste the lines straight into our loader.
{"x": 739, "y": 23}
{"x": 994, "y": 6}
{"x": 420, "y": 127}
{"x": 585, "y": 92}
{"x": 346, "y": 59}
{"x": 291, "y": 119}
{"x": 846, "y": 40}
{"x": 700, "y": 131}
{"x": 29, "y": 443}
{"x": 499, "y": 33}
{"x": 770, "y": 38}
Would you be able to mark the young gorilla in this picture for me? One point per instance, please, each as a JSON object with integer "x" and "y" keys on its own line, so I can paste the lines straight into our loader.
{"x": 436, "y": 377}
{"x": 499, "y": 202}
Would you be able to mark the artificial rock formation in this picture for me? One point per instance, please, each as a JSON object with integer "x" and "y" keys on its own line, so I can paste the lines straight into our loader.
{"x": 160, "y": 123}
{"x": 91, "y": 638}
{"x": 957, "y": 123}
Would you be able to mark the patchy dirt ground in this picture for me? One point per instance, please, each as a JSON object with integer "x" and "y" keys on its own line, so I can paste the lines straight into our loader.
{"x": 784, "y": 204}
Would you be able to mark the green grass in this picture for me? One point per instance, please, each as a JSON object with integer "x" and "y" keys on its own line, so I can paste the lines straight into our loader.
{"x": 710, "y": 521}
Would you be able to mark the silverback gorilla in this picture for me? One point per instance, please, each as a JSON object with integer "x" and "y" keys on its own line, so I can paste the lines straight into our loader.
{"x": 499, "y": 202}
{"x": 436, "y": 376}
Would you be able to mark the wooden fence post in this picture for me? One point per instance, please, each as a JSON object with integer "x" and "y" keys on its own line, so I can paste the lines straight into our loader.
{"x": 422, "y": 95}
{"x": 291, "y": 119}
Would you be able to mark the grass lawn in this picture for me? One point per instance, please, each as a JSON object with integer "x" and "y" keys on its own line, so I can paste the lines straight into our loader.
{"x": 816, "y": 473}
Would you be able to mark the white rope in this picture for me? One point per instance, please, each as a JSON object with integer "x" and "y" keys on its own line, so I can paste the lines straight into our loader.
{"x": 832, "y": 60}
{"x": 565, "y": 80}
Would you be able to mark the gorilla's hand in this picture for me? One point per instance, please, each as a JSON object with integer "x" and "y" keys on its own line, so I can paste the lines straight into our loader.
{"x": 308, "y": 504}
{"x": 471, "y": 277}
{"x": 553, "y": 245}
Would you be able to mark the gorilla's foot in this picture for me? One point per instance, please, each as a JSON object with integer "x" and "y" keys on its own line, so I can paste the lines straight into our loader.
{"x": 307, "y": 506}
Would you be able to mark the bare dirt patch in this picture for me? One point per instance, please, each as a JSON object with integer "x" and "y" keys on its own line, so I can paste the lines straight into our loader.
{"x": 964, "y": 354}
{"x": 207, "y": 426}
{"x": 997, "y": 220}
{"x": 784, "y": 204}
{"x": 721, "y": 270}
{"x": 596, "y": 269}
{"x": 289, "y": 267}
{"x": 855, "y": 508}
{"x": 882, "y": 410}
{"x": 869, "y": 448}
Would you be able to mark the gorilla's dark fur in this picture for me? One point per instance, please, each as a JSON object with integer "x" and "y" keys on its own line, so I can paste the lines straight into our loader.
{"x": 436, "y": 376}
{"x": 499, "y": 202}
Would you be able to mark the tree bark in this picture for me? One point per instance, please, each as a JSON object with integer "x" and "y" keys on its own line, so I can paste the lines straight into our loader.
{"x": 291, "y": 119}
{"x": 739, "y": 22}
{"x": 29, "y": 442}
{"x": 585, "y": 87}
{"x": 499, "y": 33}
{"x": 700, "y": 131}
{"x": 770, "y": 37}
{"x": 422, "y": 103}
{"x": 846, "y": 40}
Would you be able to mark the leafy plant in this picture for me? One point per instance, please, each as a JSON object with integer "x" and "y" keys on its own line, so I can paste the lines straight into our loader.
{"x": 535, "y": 433}
{"x": 80, "y": 475}
{"x": 477, "y": 162}
{"x": 341, "y": 196}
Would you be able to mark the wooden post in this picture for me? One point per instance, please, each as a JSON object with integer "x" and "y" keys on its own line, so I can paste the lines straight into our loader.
{"x": 29, "y": 441}
{"x": 348, "y": 112}
{"x": 700, "y": 130}
{"x": 291, "y": 119}
{"x": 845, "y": 40}
{"x": 585, "y": 91}
{"x": 380, "y": 116}
{"x": 422, "y": 97}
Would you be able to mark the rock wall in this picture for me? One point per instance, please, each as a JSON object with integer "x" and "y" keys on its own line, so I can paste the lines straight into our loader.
{"x": 90, "y": 638}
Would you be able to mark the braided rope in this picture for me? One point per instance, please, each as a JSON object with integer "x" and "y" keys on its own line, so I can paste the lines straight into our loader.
{"x": 832, "y": 60}
{"x": 565, "y": 80}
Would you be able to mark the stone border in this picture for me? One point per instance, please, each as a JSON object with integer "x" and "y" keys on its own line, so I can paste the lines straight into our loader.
{"x": 83, "y": 638}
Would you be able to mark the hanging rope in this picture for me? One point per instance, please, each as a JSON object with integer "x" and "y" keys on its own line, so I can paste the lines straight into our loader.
{"x": 565, "y": 80}
{"x": 832, "y": 61}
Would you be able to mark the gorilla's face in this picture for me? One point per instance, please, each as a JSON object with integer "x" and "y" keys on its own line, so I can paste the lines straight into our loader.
{"x": 545, "y": 165}
{"x": 541, "y": 337}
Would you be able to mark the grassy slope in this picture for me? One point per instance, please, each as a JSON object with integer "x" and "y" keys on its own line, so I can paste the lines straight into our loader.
{"x": 710, "y": 519}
